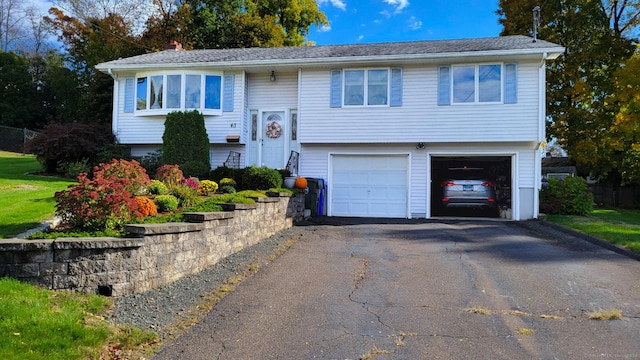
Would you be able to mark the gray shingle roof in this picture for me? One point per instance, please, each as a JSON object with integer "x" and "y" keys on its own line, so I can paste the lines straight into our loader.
{"x": 336, "y": 52}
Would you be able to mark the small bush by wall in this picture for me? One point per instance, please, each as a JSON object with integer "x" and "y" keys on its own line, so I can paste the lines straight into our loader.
{"x": 569, "y": 196}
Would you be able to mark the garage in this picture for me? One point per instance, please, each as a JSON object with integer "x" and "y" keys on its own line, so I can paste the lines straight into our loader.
{"x": 454, "y": 193}
{"x": 369, "y": 185}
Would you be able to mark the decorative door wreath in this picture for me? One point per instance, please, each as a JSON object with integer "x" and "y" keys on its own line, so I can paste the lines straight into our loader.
{"x": 274, "y": 130}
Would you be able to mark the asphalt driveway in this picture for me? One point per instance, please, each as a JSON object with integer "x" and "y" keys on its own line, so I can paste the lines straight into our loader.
{"x": 468, "y": 289}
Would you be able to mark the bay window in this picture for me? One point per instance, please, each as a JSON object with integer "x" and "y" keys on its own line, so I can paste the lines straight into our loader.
{"x": 158, "y": 94}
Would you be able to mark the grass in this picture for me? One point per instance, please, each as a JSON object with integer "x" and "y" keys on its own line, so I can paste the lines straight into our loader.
{"x": 617, "y": 226}
{"x": 25, "y": 200}
{"x": 611, "y": 314}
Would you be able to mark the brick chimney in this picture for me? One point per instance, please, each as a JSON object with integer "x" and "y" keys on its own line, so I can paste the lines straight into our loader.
{"x": 173, "y": 45}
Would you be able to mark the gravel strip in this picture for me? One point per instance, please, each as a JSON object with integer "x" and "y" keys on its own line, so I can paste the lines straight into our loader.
{"x": 160, "y": 308}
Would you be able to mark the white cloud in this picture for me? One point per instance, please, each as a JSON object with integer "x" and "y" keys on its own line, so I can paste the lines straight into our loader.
{"x": 324, "y": 28}
{"x": 385, "y": 13}
{"x": 398, "y": 4}
{"x": 340, "y": 4}
{"x": 360, "y": 37}
{"x": 415, "y": 23}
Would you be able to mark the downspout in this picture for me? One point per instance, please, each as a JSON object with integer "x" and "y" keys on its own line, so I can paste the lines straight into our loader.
{"x": 116, "y": 92}
{"x": 542, "y": 112}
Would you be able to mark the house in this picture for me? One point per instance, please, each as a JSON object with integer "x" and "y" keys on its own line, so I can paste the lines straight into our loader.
{"x": 380, "y": 123}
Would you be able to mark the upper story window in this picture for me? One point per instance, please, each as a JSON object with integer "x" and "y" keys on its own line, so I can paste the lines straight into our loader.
{"x": 159, "y": 94}
{"x": 366, "y": 87}
{"x": 485, "y": 83}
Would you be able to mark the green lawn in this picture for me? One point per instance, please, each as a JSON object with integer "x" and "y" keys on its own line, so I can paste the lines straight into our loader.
{"x": 621, "y": 227}
{"x": 42, "y": 324}
{"x": 25, "y": 200}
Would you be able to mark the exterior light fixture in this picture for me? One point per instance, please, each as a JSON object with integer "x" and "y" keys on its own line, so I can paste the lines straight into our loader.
{"x": 420, "y": 146}
{"x": 273, "y": 76}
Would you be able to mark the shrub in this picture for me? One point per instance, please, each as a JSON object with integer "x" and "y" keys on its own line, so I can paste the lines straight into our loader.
{"x": 227, "y": 182}
{"x": 169, "y": 174}
{"x": 109, "y": 152}
{"x": 223, "y": 172}
{"x": 191, "y": 182}
{"x": 166, "y": 203}
{"x": 74, "y": 168}
{"x": 185, "y": 142}
{"x": 186, "y": 195}
{"x": 207, "y": 187}
{"x": 157, "y": 187}
{"x": 569, "y": 196}
{"x": 227, "y": 189}
{"x": 150, "y": 162}
{"x": 123, "y": 169}
{"x": 146, "y": 207}
{"x": 261, "y": 178}
{"x": 96, "y": 205}
{"x": 60, "y": 143}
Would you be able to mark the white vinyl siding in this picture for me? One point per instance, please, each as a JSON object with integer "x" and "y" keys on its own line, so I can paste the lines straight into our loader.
{"x": 132, "y": 129}
{"x": 419, "y": 119}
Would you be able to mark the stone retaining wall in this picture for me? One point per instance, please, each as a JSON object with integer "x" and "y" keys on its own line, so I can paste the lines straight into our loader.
{"x": 158, "y": 254}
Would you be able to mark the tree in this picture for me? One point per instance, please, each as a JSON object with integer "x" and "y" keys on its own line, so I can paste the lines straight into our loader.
{"x": 11, "y": 19}
{"x": 17, "y": 91}
{"x": 623, "y": 136}
{"x": 89, "y": 43}
{"x": 295, "y": 17}
{"x": 580, "y": 82}
{"x": 623, "y": 15}
{"x": 237, "y": 23}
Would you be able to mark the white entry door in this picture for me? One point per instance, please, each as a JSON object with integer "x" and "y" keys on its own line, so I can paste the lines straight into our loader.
{"x": 273, "y": 139}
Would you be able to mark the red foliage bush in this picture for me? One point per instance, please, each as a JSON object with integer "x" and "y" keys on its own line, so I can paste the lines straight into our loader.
{"x": 169, "y": 174}
{"x": 68, "y": 143}
{"x": 146, "y": 207}
{"x": 124, "y": 169}
{"x": 96, "y": 205}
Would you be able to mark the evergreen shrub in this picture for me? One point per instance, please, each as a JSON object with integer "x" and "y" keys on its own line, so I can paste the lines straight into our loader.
{"x": 260, "y": 178}
{"x": 186, "y": 143}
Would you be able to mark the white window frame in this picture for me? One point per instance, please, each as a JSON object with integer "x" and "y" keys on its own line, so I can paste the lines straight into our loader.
{"x": 476, "y": 100}
{"x": 366, "y": 87}
{"x": 183, "y": 74}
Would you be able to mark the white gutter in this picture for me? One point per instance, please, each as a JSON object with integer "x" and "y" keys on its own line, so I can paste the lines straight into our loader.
{"x": 116, "y": 94}
{"x": 540, "y": 148}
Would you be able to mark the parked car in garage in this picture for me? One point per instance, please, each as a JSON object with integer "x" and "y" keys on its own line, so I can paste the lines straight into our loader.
{"x": 469, "y": 188}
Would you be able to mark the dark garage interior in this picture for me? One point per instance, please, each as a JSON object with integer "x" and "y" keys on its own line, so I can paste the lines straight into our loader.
{"x": 494, "y": 169}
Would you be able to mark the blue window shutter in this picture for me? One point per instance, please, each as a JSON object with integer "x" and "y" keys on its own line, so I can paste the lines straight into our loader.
{"x": 336, "y": 89}
{"x": 444, "y": 85}
{"x": 129, "y": 94}
{"x": 510, "y": 83}
{"x": 396, "y": 87}
{"x": 227, "y": 92}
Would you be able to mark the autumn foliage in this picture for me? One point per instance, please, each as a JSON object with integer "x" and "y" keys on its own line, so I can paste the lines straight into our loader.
{"x": 96, "y": 204}
{"x": 146, "y": 207}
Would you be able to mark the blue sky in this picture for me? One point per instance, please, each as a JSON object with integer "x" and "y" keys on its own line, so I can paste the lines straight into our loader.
{"x": 367, "y": 21}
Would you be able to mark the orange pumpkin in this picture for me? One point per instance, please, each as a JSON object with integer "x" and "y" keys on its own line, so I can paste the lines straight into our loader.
{"x": 301, "y": 183}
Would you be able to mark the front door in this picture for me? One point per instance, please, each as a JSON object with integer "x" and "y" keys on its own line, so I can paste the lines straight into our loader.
{"x": 273, "y": 139}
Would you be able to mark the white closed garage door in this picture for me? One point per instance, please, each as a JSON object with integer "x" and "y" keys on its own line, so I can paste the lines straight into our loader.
{"x": 369, "y": 185}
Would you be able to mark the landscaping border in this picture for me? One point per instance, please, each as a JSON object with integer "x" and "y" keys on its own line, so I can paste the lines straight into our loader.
{"x": 156, "y": 255}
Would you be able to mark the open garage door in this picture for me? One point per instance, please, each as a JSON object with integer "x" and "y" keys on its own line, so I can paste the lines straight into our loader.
{"x": 369, "y": 185}
{"x": 471, "y": 186}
